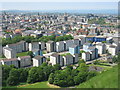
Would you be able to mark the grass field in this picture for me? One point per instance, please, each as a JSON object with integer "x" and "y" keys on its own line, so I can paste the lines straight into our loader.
{"x": 38, "y": 85}
{"x": 107, "y": 79}
{"x": 35, "y": 85}
{"x": 43, "y": 84}
{"x": 22, "y": 54}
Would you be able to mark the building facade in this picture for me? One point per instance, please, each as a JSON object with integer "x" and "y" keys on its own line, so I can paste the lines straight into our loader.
{"x": 60, "y": 46}
{"x": 18, "y": 47}
{"x": 38, "y": 60}
{"x": 24, "y": 61}
{"x": 74, "y": 49}
{"x": 12, "y": 61}
{"x": 56, "y": 59}
{"x": 9, "y": 53}
{"x": 50, "y": 46}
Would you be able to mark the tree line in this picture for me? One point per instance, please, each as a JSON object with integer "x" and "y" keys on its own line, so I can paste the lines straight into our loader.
{"x": 70, "y": 77}
{"x": 53, "y": 74}
{"x": 12, "y": 76}
{"x": 29, "y": 39}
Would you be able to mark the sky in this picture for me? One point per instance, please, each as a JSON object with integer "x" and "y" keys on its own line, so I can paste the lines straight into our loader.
{"x": 59, "y": 0}
{"x": 58, "y": 5}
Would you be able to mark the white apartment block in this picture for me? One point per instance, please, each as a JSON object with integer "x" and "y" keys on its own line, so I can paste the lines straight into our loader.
{"x": 56, "y": 59}
{"x": 101, "y": 48}
{"x": 68, "y": 44}
{"x": 50, "y": 46}
{"x": 67, "y": 60}
{"x": 60, "y": 46}
{"x": 86, "y": 56}
{"x": 9, "y": 53}
{"x": 33, "y": 45}
{"x": 112, "y": 50}
{"x": 41, "y": 45}
{"x": 38, "y": 60}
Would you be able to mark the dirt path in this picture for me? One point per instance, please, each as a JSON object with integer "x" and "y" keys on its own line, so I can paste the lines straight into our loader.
{"x": 52, "y": 86}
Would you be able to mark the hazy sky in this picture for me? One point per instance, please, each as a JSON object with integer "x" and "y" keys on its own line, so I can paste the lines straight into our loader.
{"x": 59, "y": 5}
{"x": 59, "y": 0}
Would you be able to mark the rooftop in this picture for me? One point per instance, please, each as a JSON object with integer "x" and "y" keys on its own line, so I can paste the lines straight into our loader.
{"x": 7, "y": 48}
{"x": 73, "y": 46}
{"x": 12, "y": 59}
{"x": 38, "y": 57}
{"x": 22, "y": 57}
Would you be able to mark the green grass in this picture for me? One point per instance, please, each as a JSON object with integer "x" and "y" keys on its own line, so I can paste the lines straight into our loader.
{"x": 107, "y": 79}
{"x": 22, "y": 54}
{"x": 65, "y": 54}
{"x": 36, "y": 85}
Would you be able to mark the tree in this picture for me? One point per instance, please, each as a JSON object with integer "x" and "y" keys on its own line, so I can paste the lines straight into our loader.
{"x": 28, "y": 38}
{"x": 23, "y": 74}
{"x": 83, "y": 67}
{"x": 32, "y": 76}
{"x": 11, "y": 81}
{"x": 40, "y": 74}
{"x": 81, "y": 77}
{"x": 91, "y": 74}
{"x": 13, "y": 78}
{"x": 116, "y": 59}
{"x": 60, "y": 79}
{"x": 70, "y": 81}
{"x": 30, "y": 53}
{"x": 47, "y": 70}
{"x": 69, "y": 67}
{"x": 96, "y": 62}
{"x": 81, "y": 61}
{"x": 51, "y": 78}
{"x": 5, "y": 73}
{"x": 103, "y": 41}
{"x": 57, "y": 67}
{"x": 44, "y": 64}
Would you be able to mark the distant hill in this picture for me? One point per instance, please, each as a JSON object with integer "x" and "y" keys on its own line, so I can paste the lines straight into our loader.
{"x": 107, "y": 79}
{"x": 105, "y": 11}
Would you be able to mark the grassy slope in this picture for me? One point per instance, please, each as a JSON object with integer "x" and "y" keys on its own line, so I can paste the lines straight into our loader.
{"x": 107, "y": 79}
